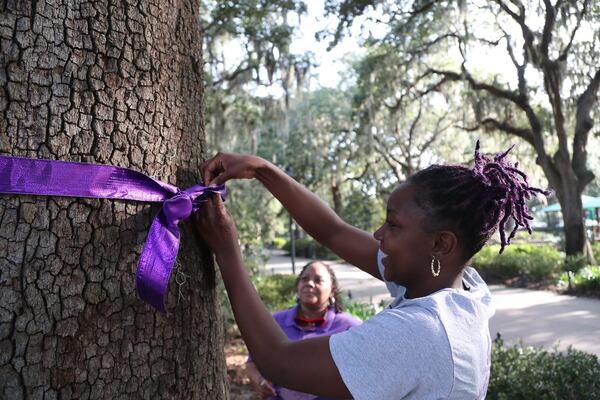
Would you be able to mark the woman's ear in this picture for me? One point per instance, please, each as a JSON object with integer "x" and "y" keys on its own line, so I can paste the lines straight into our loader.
{"x": 444, "y": 244}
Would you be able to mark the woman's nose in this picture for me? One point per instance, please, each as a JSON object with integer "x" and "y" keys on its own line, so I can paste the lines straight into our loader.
{"x": 378, "y": 234}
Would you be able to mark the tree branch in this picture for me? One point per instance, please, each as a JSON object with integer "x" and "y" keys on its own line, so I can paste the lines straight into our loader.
{"x": 564, "y": 53}
{"x": 549, "y": 21}
{"x": 528, "y": 36}
{"x": 503, "y": 126}
{"x": 361, "y": 175}
{"x": 511, "y": 96}
{"x": 393, "y": 167}
{"x": 520, "y": 67}
{"x": 583, "y": 125}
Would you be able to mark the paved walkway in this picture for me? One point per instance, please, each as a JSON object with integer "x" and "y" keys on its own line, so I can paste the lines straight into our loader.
{"x": 533, "y": 317}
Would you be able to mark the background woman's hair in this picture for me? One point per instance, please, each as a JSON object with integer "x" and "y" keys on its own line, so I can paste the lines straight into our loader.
{"x": 474, "y": 202}
{"x": 335, "y": 287}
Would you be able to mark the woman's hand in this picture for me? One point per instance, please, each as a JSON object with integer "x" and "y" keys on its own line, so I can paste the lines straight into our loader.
{"x": 263, "y": 387}
{"x": 225, "y": 166}
{"x": 217, "y": 227}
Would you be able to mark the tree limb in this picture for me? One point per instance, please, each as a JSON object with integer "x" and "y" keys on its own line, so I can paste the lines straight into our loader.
{"x": 503, "y": 126}
{"x": 549, "y": 21}
{"x": 511, "y": 96}
{"x": 520, "y": 67}
{"x": 583, "y": 125}
{"x": 564, "y": 53}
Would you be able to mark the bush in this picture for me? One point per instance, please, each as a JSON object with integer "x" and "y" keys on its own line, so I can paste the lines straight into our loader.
{"x": 585, "y": 280}
{"x": 362, "y": 311}
{"x": 531, "y": 262}
{"x": 575, "y": 263}
{"x": 596, "y": 251}
{"x": 278, "y": 242}
{"x": 527, "y": 373}
{"x": 308, "y": 248}
{"x": 277, "y": 291}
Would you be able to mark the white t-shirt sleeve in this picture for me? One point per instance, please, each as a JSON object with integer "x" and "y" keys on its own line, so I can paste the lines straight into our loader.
{"x": 399, "y": 353}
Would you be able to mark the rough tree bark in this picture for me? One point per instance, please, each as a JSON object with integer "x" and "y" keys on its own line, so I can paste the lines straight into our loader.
{"x": 112, "y": 83}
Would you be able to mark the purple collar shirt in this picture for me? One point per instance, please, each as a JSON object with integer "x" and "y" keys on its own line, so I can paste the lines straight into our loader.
{"x": 334, "y": 323}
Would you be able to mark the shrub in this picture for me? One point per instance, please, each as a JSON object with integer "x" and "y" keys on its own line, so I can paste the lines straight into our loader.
{"x": 277, "y": 291}
{"x": 362, "y": 311}
{"x": 308, "y": 248}
{"x": 596, "y": 251}
{"x": 586, "y": 279}
{"x": 575, "y": 263}
{"x": 531, "y": 262}
{"x": 527, "y": 373}
{"x": 278, "y": 242}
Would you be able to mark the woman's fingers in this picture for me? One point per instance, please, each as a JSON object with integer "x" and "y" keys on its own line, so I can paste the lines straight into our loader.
{"x": 212, "y": 168}
{"x": 217, "y": 227}
{"x": 266, "y": 388}
{"x": 226, "y": 166}
{"x": 221, "y": 178}
{"x": 270, "y": 388}
{"x": 217, "y": 170}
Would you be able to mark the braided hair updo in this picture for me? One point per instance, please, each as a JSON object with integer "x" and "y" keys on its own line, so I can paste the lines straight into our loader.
{"x": 474, "y": 202}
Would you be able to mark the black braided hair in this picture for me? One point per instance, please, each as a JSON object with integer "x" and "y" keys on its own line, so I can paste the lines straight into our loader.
{"x": 474, "y": 202}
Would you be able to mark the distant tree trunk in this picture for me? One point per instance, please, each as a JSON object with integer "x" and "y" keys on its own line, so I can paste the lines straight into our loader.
{"x": 568, "y": 192}
{"x": 336, "y": 194}
{"x": 112, "y": 83}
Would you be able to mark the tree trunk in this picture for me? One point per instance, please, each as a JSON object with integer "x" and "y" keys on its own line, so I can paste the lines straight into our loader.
{"x": 336, "y": 194}
{"x": 112, "y": 83}
{"x": 569, "y": 198}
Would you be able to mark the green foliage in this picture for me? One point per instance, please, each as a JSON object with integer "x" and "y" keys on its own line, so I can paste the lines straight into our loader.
{"x": 363, "y": 211}
{"x": 575, "y": 263}
{"x": 362, "y": 311}
{"x": 308, "y": 248}
{"x": 585, "y": 280}
{"x": 524, "y": 373}
{"x": 278, "y": 242}
{"x": 532, "y": 262}
{"x": 277, "y": 291}
{"x": 596, "y": 251}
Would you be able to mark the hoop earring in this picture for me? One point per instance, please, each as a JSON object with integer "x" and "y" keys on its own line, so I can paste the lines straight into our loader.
{"x": 433, "y": 268}
{"x": 332, "y": 302}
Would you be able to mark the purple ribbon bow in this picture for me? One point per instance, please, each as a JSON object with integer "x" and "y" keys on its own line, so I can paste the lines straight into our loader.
{"x": 73, "y": 179}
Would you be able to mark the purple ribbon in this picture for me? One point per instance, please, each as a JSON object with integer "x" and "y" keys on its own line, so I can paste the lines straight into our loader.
{"x": 73, "y": 179}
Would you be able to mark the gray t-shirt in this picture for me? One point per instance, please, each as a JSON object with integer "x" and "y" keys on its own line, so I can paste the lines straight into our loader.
{"x": 432, "y": 347}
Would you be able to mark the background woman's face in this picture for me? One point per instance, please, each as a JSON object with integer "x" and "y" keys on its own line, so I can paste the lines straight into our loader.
{"x": 314, "y": 287}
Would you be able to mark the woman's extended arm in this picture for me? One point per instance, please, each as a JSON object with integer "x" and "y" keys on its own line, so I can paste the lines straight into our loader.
{"x": 305, "y": 365}
{"x": 315, "y": 216}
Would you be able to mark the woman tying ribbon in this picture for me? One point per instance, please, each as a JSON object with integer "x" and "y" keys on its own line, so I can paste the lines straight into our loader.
{"x": 319, "y": 312}
{"x": 433, "y": 341}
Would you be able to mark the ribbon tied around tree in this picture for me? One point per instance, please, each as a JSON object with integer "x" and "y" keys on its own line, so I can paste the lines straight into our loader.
{"x": 72, "y": 179}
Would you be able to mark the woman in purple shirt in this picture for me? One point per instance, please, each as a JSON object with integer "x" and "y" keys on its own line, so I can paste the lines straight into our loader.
{"x": 319, "y": 312}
